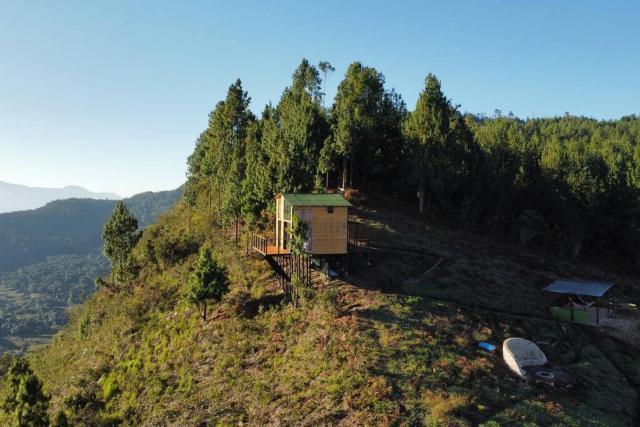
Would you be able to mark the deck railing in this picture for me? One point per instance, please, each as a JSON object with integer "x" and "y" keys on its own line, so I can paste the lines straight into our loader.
{"x": 359, "y": 243}
{"x": 266, "y": 245}
{"x": 354, "y": 237}
{"x": 260, "y": 243}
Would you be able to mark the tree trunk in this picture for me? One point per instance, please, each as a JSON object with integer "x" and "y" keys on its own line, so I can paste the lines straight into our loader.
{"x": 219, "y": 203}
{"x": 326, "y": 180}
{"x": 351, "y": 172}
{"x": 236, "y": 230}
{"x": 421, "y": 195}
{"x": 210, "y": 191}
{"x": 577, "y": 245}
{"x": 344, "y": 172}
{"x": 204, "y": 311}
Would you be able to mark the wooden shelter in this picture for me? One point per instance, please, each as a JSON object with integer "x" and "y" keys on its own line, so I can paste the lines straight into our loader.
{"x": 580, "y": 301}
{"x": 326, "y": 216}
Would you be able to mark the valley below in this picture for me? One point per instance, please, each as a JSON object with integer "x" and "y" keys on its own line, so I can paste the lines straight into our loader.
{"x": 51, "y": 257}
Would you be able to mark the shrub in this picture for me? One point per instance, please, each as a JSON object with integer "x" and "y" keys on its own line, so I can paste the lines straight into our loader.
{"x": 442, "y": 407}
{"x": 84, "y": 326}
{"x": 25, "y": 400}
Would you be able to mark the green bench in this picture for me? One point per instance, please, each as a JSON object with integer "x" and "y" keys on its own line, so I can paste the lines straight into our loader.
{"x": 564, "y": 314}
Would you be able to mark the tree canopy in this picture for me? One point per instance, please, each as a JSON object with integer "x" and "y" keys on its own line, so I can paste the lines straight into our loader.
{"x": 569, "y": 183}
{"x": 25, "y": 399}
{"x": 120, "y": 234}
{"x": 208, "y": 281}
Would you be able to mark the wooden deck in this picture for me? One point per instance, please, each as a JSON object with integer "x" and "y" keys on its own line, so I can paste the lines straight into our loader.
{"x": 273, "y": 250}
{"x": 266, "y": 247}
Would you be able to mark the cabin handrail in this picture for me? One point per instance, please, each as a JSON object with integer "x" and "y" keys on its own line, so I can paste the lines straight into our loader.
{"x": 261, "y": 243}
{"x": 359, "y": 243}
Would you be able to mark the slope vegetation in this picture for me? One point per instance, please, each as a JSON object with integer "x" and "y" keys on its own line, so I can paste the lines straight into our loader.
{"x": 387, "y": 345}
{"x": 49, "y": 259}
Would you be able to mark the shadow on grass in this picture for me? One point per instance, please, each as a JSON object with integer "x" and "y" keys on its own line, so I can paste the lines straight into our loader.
{"x": 250, "y": 308}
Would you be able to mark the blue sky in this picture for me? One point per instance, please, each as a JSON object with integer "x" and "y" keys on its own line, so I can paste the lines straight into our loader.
{"x": 112, "y": 95}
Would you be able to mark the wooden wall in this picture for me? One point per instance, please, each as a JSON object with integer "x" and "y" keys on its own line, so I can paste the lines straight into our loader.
{"x": 328, "y": 230}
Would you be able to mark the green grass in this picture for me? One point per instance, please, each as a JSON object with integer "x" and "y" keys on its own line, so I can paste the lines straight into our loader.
{"x": 391, "y": 346}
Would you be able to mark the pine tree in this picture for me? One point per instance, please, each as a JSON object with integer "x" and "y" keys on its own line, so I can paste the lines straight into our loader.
{"x": 120, "y": 234}
{"x": 208, "y": 281}
{"x": 327, "y": 160}
{"x": 302, "y": 130}
{"x": 298, "y": 235}
{"x": 326, "y": 68}
{"x": 258, "y": 182}
{"x": 220, "y": 158}
{"x": 25, "y": 398}
{"x": 441, "y": 145}
{"x": 386, "y": 160}
{"x": 190, "y": 197}
{"x": 356, "y": 114}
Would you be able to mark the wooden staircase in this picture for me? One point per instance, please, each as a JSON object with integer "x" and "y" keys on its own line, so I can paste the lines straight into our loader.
{"x": 286, "y": 266}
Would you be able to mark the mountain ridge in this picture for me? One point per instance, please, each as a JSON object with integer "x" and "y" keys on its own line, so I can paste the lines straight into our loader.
{"x": 69, "y": 226}
{"x": 19, "y": 197}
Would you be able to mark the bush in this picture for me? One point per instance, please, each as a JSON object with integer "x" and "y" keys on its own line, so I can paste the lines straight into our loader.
{"x": 165, "y": 249}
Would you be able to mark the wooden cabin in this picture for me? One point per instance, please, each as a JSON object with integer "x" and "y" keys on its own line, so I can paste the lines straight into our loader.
{"x": 326, "y": 216}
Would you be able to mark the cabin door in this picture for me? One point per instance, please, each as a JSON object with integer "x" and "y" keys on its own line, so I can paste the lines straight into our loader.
{"x": 305, "y": 216}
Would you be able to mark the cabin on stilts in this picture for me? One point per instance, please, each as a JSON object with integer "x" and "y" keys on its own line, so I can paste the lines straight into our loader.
{"x": 326, "y": 218}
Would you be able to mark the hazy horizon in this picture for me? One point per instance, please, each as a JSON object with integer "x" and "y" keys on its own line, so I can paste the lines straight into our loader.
{"x": 112, "y": 96}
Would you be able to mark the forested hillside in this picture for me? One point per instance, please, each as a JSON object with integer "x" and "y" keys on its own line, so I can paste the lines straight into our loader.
{"x": 570, "y": 185}
{"x": 50, "y": 258}
{"x": 40, "y": 292}
{"x": 469, "y": 217}
{"x": 68, "y": 227}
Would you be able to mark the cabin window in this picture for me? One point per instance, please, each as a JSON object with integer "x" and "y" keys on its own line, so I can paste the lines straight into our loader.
{"x": 330, "y": 209}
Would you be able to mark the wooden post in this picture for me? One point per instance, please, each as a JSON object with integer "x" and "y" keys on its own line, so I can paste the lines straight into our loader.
{"x": 572, "y": 312}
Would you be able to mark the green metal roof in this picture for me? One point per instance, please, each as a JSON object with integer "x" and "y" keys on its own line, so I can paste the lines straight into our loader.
{"x": 315, "y": 200}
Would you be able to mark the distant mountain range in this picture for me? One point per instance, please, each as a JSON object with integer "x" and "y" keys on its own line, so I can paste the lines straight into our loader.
{"x": 69, "y": 227}
{"x": 16, "y": 197}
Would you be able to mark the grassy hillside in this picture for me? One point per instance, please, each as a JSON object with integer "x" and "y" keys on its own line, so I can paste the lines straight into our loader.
{"x": 391, "y": 344}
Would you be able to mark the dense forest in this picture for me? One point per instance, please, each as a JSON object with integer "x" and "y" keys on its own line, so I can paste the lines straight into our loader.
{"x": 568, "y": 184}
{"x": 33, "y": 299}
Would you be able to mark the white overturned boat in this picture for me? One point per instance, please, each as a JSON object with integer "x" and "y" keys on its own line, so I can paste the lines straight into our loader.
{"x": 520, "y": 354}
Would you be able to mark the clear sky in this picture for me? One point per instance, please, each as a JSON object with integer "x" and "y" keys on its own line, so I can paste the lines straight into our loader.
{"x": 111, "y": 95}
